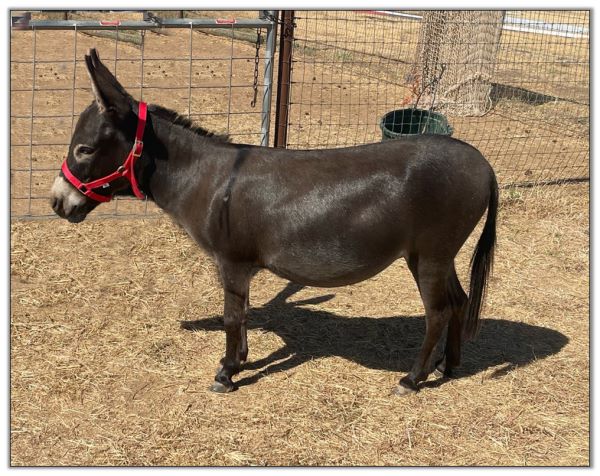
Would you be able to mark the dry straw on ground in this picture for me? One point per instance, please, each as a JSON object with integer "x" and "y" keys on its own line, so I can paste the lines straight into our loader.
{"x": 116, "y": 334}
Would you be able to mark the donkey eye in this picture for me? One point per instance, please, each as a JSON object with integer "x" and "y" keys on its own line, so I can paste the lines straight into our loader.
{"x": 84, "y": 150}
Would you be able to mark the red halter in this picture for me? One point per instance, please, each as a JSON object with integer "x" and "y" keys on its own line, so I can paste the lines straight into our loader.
{"x": 125, "y": 170}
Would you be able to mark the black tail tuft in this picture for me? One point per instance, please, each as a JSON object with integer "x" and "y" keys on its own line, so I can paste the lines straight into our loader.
{"x": 481, "y": 265}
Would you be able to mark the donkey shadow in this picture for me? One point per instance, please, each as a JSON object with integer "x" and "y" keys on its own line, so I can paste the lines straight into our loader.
{"x": 389, "y": 343}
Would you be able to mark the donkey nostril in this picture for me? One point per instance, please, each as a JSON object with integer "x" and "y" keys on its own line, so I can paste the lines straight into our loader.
{"x": 57, "y": 204}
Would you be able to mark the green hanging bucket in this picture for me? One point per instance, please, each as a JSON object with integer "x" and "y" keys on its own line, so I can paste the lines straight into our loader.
{"x": 406, "y": 122}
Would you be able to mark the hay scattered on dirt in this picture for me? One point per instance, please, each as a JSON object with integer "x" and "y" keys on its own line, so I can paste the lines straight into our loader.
{"x": 116, "y": 334}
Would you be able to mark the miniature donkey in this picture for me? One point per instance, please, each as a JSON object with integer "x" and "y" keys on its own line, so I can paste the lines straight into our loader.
{"x": 315, "y": 217}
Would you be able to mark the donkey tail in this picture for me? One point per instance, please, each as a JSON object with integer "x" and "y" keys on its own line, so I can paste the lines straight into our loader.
{"x": 481, "y": 265}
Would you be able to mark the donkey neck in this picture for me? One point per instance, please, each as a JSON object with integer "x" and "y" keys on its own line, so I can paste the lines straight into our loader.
{"x": 186, "y": 166}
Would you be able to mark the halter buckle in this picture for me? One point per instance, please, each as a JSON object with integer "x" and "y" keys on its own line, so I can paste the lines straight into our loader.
{"x": 138, "y": 145}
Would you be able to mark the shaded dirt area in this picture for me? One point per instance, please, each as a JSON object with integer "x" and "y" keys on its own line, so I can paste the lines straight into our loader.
{"x": 116, "y": 334}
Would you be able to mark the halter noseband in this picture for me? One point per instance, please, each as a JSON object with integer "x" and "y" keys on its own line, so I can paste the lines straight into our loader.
{"x": 125, "y": 170}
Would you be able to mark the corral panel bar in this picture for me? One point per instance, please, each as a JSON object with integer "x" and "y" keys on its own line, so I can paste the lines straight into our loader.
{"x": 74, "y": 81}
{"x": 190, "y": 70}
{"x": 143, "y": 25}
{"x": 268, "y": 81}
{"x": 116, "y": 199}
{"x": 230, "y": 79}
{"x": 143, "y": 42}
{"x": 31, "y": 123}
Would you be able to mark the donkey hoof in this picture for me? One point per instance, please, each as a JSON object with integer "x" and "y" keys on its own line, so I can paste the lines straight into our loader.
{"x": 400, "y": 390}
{"x": 405, "y": 387}
{"x": 219, "y": 387}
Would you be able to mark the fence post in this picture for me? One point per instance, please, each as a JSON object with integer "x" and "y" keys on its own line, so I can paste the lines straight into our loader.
{"x": 284, "y": 77}
{"x": 268, "y": 76}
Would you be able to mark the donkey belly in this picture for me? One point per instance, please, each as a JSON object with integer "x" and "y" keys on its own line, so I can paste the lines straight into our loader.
{"x": 330, "y": 263}
{"x": 328, "y": 274}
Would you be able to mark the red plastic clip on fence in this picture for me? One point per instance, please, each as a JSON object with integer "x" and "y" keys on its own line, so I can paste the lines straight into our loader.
{"x": 110, "y": 22}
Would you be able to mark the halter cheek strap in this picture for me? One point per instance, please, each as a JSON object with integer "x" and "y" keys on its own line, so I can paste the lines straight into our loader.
{"x": 126, "y": 170}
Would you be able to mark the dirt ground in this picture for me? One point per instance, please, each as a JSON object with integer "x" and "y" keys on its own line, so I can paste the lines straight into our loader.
{"x": 116, "y": 334}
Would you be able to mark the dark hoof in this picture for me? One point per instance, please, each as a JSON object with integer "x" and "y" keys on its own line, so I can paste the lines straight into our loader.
{"x": 218, "y": 387}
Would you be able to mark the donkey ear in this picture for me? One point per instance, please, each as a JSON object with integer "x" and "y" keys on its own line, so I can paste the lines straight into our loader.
{"x": 110, "y": 96}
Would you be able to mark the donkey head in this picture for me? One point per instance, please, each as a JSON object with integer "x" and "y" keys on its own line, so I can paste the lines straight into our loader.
{"x": 103, "y": 137}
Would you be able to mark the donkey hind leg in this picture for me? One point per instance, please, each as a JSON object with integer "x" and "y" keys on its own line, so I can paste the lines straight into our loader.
{"x": 244, "y": 330}
{"x": 236, "y": 279}
{"x": 432, "y": 280}
{"x": 452, "y": 353}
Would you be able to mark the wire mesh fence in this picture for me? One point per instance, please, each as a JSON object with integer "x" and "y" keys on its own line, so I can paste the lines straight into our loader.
{"x": 221, "y": 80}
{"x": 513, "y": 84}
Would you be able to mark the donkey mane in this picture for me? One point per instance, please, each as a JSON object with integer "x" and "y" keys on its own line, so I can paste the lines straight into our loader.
{"x": 183, "y": 121}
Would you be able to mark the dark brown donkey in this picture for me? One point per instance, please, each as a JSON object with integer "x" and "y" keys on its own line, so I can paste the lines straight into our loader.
{"x": 315, "y": 217}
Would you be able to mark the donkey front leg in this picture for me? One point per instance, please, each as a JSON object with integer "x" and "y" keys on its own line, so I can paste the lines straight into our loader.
{"x": 235, "y": 283}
